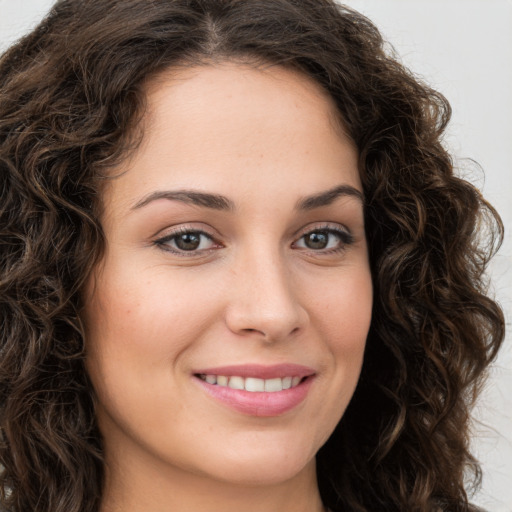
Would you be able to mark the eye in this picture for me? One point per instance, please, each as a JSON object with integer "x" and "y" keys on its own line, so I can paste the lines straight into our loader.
{"x": 186, "y": 241}
{"x": 325, "y": 239}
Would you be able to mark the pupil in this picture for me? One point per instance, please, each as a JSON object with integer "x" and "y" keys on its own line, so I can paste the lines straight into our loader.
{"x": 318, "y": 240}
{"x": 188, "y": 241}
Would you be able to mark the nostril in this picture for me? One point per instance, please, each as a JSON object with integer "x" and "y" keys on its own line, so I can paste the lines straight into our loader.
{"x": 249, "y": 330}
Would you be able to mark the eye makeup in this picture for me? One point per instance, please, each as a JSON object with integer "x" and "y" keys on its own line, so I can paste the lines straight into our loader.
{"x": 187, "y": 241}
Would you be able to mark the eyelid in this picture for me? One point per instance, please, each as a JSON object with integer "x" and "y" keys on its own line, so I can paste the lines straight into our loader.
{"x": 161, "y": 241}
{"x": 324, "y": 226}
{"x": 346, "y": 237}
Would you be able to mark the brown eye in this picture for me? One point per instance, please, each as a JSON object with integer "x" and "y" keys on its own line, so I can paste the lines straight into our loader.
{"x": 188, "y": 241}
{"x": 325, "y": 240}
{"x": 316, "y": 240}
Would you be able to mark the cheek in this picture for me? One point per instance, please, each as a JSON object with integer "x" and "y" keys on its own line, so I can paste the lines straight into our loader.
{"x": 341, "y": 314}
{"x": 341, "y": 317}
{"x": 343, "y": 310}
{"x": 137, "y": 327}
{"x": 141, "y": 324}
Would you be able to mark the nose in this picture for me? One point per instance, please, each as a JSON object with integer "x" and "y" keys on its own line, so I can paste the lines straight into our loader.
{"x": 264, "y": 302}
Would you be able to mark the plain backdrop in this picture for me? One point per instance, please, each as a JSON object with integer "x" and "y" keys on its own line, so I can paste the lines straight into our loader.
{"x": 464, "y": 49}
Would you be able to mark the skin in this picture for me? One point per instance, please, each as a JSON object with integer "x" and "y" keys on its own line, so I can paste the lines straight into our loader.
{"x": 254, "y": 291}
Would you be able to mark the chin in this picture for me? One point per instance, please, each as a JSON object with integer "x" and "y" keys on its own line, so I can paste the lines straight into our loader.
{"x": 261, "y": 467}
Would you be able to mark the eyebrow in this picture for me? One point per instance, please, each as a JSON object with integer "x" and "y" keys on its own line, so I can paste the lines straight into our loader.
{"x": 213, "y": 201}
{"x": 219, "y": 202}
{"x": 328, "y": 197}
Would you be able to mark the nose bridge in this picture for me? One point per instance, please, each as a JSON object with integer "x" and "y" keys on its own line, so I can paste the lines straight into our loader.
{"x": 265, "y": 299}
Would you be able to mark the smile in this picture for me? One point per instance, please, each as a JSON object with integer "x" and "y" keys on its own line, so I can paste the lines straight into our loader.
{"x": 252, "y": 384}
{"x": 256, "y": 390}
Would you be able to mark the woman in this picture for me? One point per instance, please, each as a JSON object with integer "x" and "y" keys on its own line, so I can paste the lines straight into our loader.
{"x": 238, "y": 271}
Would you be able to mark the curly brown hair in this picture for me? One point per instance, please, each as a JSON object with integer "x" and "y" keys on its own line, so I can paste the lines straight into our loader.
{"x": 71, "y": 94}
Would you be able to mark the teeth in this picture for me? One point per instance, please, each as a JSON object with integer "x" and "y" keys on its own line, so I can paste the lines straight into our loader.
{"x": 252, "y": 384}
{"x": 236, "y": 383}
{"x": 273, "y": 385}
{"x": 211, "y": 379}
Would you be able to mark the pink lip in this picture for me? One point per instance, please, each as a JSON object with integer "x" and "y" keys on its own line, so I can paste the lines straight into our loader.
{"x": 259, "y": 403}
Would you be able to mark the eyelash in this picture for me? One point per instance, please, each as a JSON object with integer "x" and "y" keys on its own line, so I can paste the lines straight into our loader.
{"x": 345, "y": 239}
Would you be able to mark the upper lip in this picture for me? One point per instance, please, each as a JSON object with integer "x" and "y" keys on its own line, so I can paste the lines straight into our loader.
{"x": 259, "y": 371}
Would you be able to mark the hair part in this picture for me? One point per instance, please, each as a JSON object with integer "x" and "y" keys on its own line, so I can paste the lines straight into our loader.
{"x": 72, "y": 96}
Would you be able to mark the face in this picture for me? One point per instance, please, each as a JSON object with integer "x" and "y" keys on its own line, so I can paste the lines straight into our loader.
{"x": 227, "y": 321}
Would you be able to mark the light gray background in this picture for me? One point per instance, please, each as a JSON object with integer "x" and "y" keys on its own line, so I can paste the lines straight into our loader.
{"x": 464, "y": 49}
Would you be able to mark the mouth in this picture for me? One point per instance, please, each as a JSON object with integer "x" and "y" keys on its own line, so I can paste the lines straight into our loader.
{"x": 256, "y": 390}
{"x": 252, "y": 384}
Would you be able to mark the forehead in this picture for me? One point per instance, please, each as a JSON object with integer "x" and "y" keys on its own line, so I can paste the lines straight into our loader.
{"x": 253, "y": 91}
{"x": 237, "y": 126}
{"x": 254, "y": 76}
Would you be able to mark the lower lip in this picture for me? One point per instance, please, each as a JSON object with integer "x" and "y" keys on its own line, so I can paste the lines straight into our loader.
{"x": 259, "y": 403}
